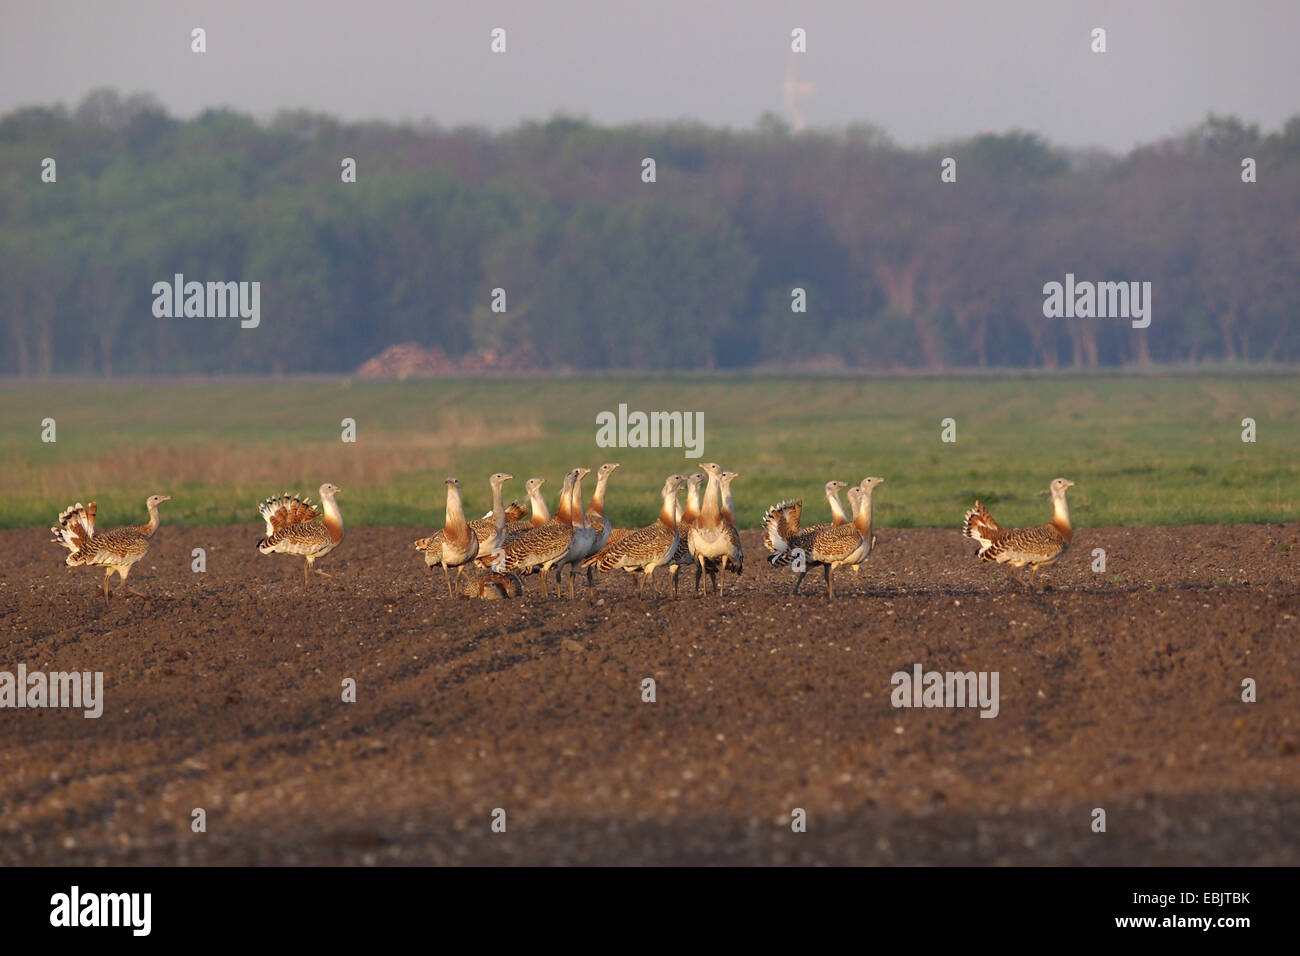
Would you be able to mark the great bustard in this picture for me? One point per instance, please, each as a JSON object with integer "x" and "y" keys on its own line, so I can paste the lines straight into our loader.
{"x": 596, "y": 514}
{"x": 540, "y": 513}
{"x": 490, "y": 530}
{"x": 541, "y": 548}
{"x": 459, "y": 544}
{"x": 736, "y": 560}
{"x": 491, "y": 585}
{"x": 685, "y": 521}
{"x": 1038, "y": 547}
{"x": 584, "y": 536}
{"x": 713, "y": 540}
{"x": 114, "y": 550}
{"x": 831, "y": 546}
{"x": 793, "y": 510}
{"x": 644, "y": 549}
{"x": 292, "y": 528}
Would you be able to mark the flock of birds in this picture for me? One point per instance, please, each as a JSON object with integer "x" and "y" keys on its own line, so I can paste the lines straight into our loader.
{"x": 512, "y": 541}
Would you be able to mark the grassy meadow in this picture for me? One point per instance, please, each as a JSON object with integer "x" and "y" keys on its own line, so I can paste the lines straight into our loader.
{"x": 1149, "y": 449}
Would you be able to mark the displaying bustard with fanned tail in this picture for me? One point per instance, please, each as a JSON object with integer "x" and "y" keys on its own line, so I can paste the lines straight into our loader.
{"x": 114, "y": 550}
{"x": 831, "y": 546}
{"x": 292, "y": 528}
{"x": 790, "y": 512}
{"x": 1038, "y": 547}
{"x": 644, "y": 549}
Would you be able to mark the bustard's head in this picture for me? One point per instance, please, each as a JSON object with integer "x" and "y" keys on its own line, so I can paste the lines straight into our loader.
{"x": 606, "y": 469}
{"x": 833, "y": 487}
{"x": 499, "y": 479}
{"x": 713, "y": 468}
{"x": 453, "y": 484}
{"x": 673, "y": 483}
{"x": 534, "y": 485}
{"x": 869, "y": 484}
{"x": 730, "y": 476}
{"x": 855, "y": 496}
{"x": 582, "y": 473}
{"x": 154, "y": 501}
{"x": 328, "y": 490}
{"x": 694, "y": 481}
{"x": 1058, "y": 486}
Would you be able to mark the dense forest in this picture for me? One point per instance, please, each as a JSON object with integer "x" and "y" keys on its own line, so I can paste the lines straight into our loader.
{"x": 603, "y": 270}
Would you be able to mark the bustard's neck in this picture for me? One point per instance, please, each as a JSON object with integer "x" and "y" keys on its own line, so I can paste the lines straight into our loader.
{"x": 728, "y": 503}
{"x": 693, "y": 501}
{"x": 154, "y": 519}
{"x": 576, "y": 513}
{"x": 333, "y": 518}
{"x": 1061, "y": 512}
{"x": 668, "y": 513}
{"x": 498, "y": 509}
{"x": 709, "y": 507}
{"x": 541, "y": 513}
{"x": 837, "y": 509}
{"x": 562, "y": 506}
{"x": 455, "y": 513}
{"x": 865, "y": 512}
{"x": 597, "y": 506}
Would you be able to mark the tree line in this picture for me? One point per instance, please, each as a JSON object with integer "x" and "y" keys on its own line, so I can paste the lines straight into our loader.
{"x": 750, "y": 248}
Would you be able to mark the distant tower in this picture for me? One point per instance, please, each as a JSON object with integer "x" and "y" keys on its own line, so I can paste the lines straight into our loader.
{"x": 795, "y": 92}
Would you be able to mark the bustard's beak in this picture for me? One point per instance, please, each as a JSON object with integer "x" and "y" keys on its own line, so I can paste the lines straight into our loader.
{"x": 164, "y": 497}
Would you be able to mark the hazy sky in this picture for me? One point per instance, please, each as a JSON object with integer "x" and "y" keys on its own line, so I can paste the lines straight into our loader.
{"x": 925, "y": 70}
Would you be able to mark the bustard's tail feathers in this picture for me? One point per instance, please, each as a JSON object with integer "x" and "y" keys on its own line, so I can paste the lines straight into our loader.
{"x": 285, "y": 510}
{"x": 75, "y": 529}
{"x": 979, "y": 525}
{"x": 781, "y": 524}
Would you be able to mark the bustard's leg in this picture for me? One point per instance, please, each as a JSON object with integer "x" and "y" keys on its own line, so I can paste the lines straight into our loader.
{"x": 672, "y": 576}
{"x": 122, "y": 573}
{"x": 324, "y": 574}
{"x": 722, "y": 575}
{"x": 699, "y": 573}
{"x": 798, "y": 581}
{"x": 830, "y": 584}
{"x": 446, "y": 576}
{"x": 306, "y": 569}
{"x": 573, "y": 573}
{"x": 107, "y": 574}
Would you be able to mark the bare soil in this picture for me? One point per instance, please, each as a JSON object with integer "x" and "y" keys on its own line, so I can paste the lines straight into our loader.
{"x": 1120, "y": 690}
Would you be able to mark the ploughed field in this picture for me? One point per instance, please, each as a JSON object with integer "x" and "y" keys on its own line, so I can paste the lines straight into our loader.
{"x": 1118, "y": 689}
